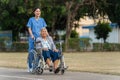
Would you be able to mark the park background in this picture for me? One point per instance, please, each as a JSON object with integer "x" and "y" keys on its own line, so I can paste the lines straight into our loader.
{"x": 66, "y": 20}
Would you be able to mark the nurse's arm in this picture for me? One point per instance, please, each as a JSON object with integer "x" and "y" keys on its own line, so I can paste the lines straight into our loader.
{"x": 30, "y": 32}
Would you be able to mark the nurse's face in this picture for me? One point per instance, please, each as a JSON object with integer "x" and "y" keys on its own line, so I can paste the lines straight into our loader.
{"x": 37, "y": 12}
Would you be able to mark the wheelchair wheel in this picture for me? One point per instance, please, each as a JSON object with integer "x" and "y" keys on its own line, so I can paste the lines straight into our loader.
{"x": 39, "y": 70}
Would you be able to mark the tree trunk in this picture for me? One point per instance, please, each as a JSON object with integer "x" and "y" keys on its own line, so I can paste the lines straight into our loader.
{"x": 68, "y": 7}
{"x": 70, "y": 19}
{"x": 67, "y": 32}
{"x": 53, "y": 27}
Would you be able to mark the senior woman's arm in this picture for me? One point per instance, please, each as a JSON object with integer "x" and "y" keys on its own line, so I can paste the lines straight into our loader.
{"x": 51, "y": 41}
{"x": 52, "y": 44}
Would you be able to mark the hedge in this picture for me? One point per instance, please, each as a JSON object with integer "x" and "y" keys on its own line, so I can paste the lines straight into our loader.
{"x": 20, "y": 46}
{"x": 106, "y": 47}
{"x": 75, "y": 44}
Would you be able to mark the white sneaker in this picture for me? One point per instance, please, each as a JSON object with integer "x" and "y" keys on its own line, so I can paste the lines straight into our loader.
{"x": 30, "y": 70}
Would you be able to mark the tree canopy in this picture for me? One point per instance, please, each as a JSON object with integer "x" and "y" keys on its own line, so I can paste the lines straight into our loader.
{"x": 59, "y": 14}
{"x": 113, "y": 10}
{"x": 102, "y": 30}
{"x": 13, "y": 16}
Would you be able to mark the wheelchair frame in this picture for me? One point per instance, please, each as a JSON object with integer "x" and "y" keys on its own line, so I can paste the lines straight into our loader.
{"x": 39, "y": 65}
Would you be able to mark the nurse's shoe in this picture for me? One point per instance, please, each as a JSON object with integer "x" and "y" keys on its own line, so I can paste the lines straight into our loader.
{"x": 30, "y": 70}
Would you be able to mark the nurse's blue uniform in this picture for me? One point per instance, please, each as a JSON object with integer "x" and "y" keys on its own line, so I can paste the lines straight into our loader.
{"x": 36, "y": 26}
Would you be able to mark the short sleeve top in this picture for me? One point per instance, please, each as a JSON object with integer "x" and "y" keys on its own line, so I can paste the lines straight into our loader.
{"x": 36, "y": 25}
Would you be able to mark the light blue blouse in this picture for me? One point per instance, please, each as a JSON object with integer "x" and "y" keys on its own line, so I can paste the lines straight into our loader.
{"x": 45, "y": 44}
{"x": 49, "y": 44}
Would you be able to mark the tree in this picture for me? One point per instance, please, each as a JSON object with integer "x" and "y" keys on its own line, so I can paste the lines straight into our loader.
{"x": 73, "y": 13}
{"x": 54, "y": 13}
{"x": 59, "y": 14}
{"x": 13, "y": 16}
{"x": 74, "y": 34}
{"x": 78, "y": 8}
{"x": 102, "y": 30}
{"x": 113, "y": 10}
{"x": 62, "y": 14}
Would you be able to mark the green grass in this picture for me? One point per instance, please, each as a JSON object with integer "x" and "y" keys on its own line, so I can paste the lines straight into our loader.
{"x": 100, "y": 62}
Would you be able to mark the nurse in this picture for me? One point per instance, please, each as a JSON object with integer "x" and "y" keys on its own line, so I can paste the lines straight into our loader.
{"x": 34, "y": 25}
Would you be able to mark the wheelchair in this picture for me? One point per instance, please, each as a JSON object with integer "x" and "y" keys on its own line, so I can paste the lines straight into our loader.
{"x": 39, "y": 65}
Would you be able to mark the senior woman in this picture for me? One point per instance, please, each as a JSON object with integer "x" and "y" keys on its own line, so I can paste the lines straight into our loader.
{"x": 49, "y": 51}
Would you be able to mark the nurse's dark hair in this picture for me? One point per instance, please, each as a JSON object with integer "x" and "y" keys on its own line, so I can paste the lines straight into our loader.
{"x": 35, "y": 8}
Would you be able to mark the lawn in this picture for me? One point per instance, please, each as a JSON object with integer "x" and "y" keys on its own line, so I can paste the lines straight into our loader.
{"x": 100, "y": 62}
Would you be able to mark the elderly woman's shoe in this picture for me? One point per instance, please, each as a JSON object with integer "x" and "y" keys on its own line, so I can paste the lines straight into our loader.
{"x": 57, "y": 70}
{"x": 50, "y": 68}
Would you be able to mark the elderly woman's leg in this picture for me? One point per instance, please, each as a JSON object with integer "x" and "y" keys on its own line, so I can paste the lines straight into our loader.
{"x": 47, "y": 58}
{"x": 48, "y": 61}
{"x": 55, "y": 59}
{"x": 56, "y": 62}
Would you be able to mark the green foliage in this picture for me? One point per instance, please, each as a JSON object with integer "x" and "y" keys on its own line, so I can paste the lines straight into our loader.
{"x": 113, "y": 10}
{"x": 58, "y": 46}
{"x": 102, "y": 30}
{"x": 78, "y": 44}
{"x": 15, "y": 13}
{"x": 106, "y": 47}
{"x": 19, "y": 47}
{"x": 4, "y": 43}
{"x": 74, "y": 44}
{"x": 74, "y": 34}
{"x": 85, "y": 41}
{"x": 54, "y": 13}
{"x": 13, "y": 16}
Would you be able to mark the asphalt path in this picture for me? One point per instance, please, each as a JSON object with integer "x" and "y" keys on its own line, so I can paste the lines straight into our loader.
{"x": 22, "y": 74}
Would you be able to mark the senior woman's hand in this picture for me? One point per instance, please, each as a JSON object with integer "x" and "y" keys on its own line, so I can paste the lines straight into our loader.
{"x": 45, "y": 49}
{"x": 55, "y": 50}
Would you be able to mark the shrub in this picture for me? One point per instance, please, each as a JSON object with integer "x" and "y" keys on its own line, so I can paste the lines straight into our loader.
{"x": 102, "y": 30}
{"x": 106, "y": 47}
{"x": 3, "y": 43}
{"x": 74, "y": 34}
{"x": 19, "y": 46}
{"x": 74, "y": 44}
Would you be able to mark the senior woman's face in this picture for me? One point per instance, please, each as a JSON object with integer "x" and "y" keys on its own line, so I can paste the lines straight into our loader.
{"x": 44, "y": 33}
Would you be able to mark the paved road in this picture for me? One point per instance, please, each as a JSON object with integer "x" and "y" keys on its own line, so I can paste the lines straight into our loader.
{"x": 21, "y": 74}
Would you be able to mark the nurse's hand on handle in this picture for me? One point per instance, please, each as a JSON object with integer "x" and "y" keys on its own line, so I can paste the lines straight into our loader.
{"x": 32, "y": 37}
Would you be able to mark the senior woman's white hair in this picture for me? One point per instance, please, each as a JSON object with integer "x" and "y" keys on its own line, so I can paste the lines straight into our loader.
{"x": 44, "y": 29}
